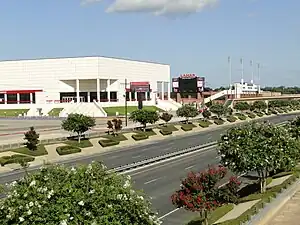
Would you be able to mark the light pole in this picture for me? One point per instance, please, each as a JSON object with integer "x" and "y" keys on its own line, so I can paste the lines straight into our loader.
{"x": 126, "y": 119}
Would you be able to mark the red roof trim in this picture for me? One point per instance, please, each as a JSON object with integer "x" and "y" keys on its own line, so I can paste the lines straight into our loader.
{"x": 20, "y": 91}
{"x": 139, "y": 83}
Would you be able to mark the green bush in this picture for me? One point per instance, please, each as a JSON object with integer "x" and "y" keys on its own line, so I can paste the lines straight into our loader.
{"x": 279, "y": 110}
{"x": 187, "y": 127}
{"x": 204, "y": 124}
{"x": 219, "y": 121}
{"x": 240, "y": 116}
{"x": 107, "y": 142}
{"x": 139, "y": 137}
{"x": 165, "y": 132}
{"x": 251, "y": 115}
{"x": 169, "y": 127}
{"x": 231, "y": 119}
{"x": 273, "y": 111}
{"x": 260, "y": 114}
{"x": 15, "y": 159}
{"x": 268, "y": 113}
{"x": 67, "y": 149}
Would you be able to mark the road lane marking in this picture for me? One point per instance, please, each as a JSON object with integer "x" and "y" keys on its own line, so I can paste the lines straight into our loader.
{"x": 138, "y": 156}
{"x": 189, "y": 167}
{"x": 169, "y": 213}
{"x": 151, "y": 181}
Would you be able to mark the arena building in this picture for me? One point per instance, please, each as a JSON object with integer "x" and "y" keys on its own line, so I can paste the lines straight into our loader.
{"x": 82, "y": 84}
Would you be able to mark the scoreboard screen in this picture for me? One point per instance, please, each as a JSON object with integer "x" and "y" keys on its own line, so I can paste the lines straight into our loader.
{"x": 188, "y": 85}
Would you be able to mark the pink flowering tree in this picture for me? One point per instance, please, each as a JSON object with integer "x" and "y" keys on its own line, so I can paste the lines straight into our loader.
{"x": 199, "y": 192}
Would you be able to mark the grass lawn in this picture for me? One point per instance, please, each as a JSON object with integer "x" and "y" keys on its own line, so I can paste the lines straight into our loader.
{"x": 41, "y": 150}
{"x": 111, "y": 111}
{"x": 12, "y": 112}
{"x": 55, "y": 111}
{"x": 84, "y": 143}
{"x": 117, "y": 138}
{"x": 169, "y": 127}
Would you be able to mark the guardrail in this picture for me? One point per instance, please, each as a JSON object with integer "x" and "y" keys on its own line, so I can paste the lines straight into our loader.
{"x": 163, "y": 157}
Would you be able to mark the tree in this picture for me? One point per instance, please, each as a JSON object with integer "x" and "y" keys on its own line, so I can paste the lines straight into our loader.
{"x": 260, "y": 147}
{"x": 242, "y": 106}
{"x": 165, "y": 116}
{"x": 259, "y": 105}
{"x": 32, "y": 139}
{"x": 84, "y": 195}
{"x": 206, "y": 114}
{"x": 144, "y": 116}
{"x": 187, "y": 111}
{"x": 199, "y": 193}
{"x": 118, "y": 125}
{"x": 78, "y": 123}
{"x": 218, "y": 109}
{"x": 294, "y": 127}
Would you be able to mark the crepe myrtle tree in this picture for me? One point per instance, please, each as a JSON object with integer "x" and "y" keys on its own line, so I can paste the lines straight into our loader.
{"x": 218, "y": 109}
{"x": 187, "y": 111}
{"x": 88, "y": 194}
{"x": 144, "y": 116}
{"x": 78, "y": 123}
{"x": 242, "y": 106}
{"x": 165, "y": 116}
{"x": 293, "y": 127}
{"x": 259, "y": 105}
{"x": 206, "y": 114}
{"x": 199, "y": 193}
{"x": 260, "y": 147}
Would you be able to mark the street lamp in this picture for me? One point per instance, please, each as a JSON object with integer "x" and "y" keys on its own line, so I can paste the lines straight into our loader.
{"x": 126, "y": 119}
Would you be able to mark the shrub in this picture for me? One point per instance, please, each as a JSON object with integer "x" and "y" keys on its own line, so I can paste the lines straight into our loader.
{"x": 218, "y": 122}
{"x": 279, "y": 110}
{"x": 268, "y": 113}
{"x": 231, "y": 119}
{"x": 139, "y": 137}
{"x": 251, "y": 115}
{"x": 32, "y": 139}
{"x": 187, "y": 111}
{"x": 187, "y": 127}
{"x": 15, "y": 159}
{"x": 273, "y": 111}
{"x": 204, "y": 124}
{"x": 165, "y": 132}
{"x": 108, "y": 142}
{"x": 67, "y": 149}
{"x": 260, "y": 114}
{"x": 206, "y": 114}
{"x": 165, "y": 116}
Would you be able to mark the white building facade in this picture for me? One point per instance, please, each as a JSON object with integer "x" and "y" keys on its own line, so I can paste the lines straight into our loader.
{"x": 81, "y": 79}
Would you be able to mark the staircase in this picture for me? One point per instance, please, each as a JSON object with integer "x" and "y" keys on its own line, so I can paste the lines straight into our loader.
{"x": 168, "y": 105}
{"x": 218, "y": 95}
{"x": 87, "y": 109}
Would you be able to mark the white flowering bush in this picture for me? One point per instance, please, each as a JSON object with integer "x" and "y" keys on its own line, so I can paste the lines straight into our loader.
{"x": 260, "y": 147}
{"x": 58, "y": 195}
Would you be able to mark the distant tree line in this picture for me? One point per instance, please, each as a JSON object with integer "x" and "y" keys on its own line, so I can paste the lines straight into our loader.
{"x": 283, "y": 89}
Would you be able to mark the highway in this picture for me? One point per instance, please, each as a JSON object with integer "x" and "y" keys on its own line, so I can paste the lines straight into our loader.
{"x": 161, "y": 180}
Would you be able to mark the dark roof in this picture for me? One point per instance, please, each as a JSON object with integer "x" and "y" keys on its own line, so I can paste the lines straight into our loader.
{"x": 91, "y": 56}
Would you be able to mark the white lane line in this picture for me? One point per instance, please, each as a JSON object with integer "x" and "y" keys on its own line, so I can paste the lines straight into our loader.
{"x": 151, "y": 181}
{"x": 189, "y": 167}
{"x": 169, "y": 213}
{"x": 135, "y": 157}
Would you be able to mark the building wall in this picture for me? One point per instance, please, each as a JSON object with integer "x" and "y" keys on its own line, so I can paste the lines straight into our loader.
{"x": 59, "y": 75}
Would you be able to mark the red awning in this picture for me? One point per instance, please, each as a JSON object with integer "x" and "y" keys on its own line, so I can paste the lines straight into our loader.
{"x": 139, "y": 83}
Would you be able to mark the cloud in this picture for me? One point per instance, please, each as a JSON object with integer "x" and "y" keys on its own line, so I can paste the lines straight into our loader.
{"x": 158, "y": 7}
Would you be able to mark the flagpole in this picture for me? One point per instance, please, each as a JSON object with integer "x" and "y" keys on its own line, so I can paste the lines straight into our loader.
{"x": 242, "y": 67}
{"x": 230, "y": 72}
{"x": 252, "y": 79}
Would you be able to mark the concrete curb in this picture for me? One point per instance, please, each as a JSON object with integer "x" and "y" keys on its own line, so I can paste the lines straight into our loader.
{"x": 270, "y": 210}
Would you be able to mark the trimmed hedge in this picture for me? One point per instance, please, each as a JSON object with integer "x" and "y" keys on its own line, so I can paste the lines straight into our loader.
{"x": 251, "y": 115}
{"x": 273, "y": 111}
{"x": 231, "y": 119}
{"x": 260, "y": 114}
{"x": 219, "y": 121}
{"x": 139, "y": 136}
{"x": 279, "y": 110}
{"x": 165, "y": 132}
{"x": 67, "y": 149}
{"x": 240, "y": 116}
{"x": 204, "y": 124}
{"x": 187, "y": 127}
{"x": 15, "y": 159}
{"x": 107, "y": 142}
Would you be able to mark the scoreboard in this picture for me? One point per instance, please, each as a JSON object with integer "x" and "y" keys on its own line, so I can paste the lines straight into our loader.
{"x": 188, "y": 83}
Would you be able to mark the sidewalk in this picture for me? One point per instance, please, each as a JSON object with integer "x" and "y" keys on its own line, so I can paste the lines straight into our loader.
{"x": 290, "y": 213}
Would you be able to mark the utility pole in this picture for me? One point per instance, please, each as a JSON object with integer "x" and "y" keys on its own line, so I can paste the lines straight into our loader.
{"x": 258, "y": 75}
{"x": 242, "y": 72}
{"x": 252, "y": 69}
{"x": 126, "y": 119}
{"x": 230, "y": 72}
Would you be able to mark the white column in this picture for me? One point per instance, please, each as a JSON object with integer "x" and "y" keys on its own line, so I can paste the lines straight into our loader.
{"x": 88, "y": 97}
{"x": 18, "y": 98}
{"x": 169, "y": 90}
{"x": 31, "y": 98}
{"x": 98, "y": 90}
{"x": 77, "y": 91}
{"x": 162, "y": 90}
{"x": 108, "y": 90}
{"x": 5, "y": 98}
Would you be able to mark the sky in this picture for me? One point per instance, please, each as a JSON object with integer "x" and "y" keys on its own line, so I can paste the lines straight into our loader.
{"x": 193, "y": 36}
